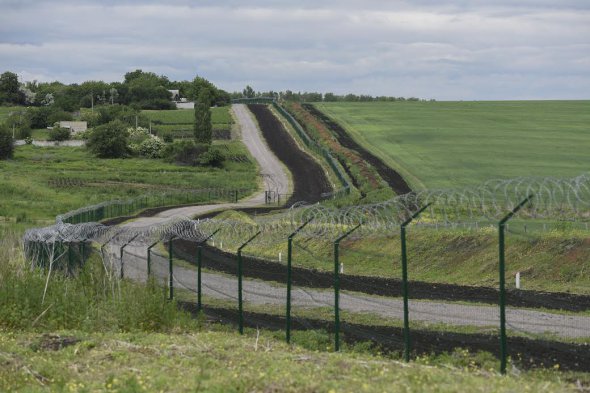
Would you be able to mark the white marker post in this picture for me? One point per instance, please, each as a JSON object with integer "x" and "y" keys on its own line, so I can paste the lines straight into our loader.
{"x": 517, "y": 280}
{"x": 280, "y": 255}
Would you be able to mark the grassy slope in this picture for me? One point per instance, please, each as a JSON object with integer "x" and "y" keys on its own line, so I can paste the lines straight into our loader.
{"x": 26, "y": 192}
{"x": 557, "y": 260}
{"x": 218, "y": 361}
{"x": 452, "y": 144}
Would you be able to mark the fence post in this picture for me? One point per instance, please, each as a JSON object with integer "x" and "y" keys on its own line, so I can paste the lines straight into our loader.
{"x": 240, "y": 305}
{"x": 70, "y": 258}
{"x": 289, "y": 277}
{"x": 403, "y": 226}
{"x": 170, "y": 269}
{"x": 82, "y": 250}
{"x": 502, "y": 278}
{"x": 149, "y": 258}
{"x": 199, "y": 265}
{"x": 337, "y": 288}
{"x": 121, "y": 253}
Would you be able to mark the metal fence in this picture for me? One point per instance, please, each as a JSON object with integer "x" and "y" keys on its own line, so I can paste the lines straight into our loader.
{"x": 308, "y": 288}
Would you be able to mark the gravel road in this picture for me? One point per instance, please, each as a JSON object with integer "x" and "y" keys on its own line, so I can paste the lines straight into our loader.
{"x": 262, "y": 293}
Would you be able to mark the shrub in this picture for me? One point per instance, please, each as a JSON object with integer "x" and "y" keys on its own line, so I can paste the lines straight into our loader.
{"x": 109, "y": 140}
{"x": 185, "y": 152}
{"x": 6, "y": 143}
{"x": 24, "y": 133}
{"x": 59, "y": 134}
{"x": 59, "y": 115}
{"x": 151, "y": 147}
{"x": 212, "y": 157}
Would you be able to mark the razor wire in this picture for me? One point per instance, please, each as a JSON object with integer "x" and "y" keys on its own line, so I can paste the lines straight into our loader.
{"x": 553, "y": 198}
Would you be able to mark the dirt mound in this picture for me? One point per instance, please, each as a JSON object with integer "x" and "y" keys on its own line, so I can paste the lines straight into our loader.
{"x": 526, "y": 353}
{"x": 391, "y": 177}
{"x": 309, "y": 178}
{"x": 219, "y": 260}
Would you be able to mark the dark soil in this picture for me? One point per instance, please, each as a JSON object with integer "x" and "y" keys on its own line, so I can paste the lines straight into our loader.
{"x": 391, "y": 177}
{"x": 218, "y": 260}
{"x": 53, "y": 342}
{"x": 309, "y": 178}
{"x": 525, "y": 353}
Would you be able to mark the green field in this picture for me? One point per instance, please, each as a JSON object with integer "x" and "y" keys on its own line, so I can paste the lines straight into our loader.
{"x": 42, "y": 182}
{"x": 219, "y": 115}
{"x": 455, "y": 144}
{"x": 5, "y": 111}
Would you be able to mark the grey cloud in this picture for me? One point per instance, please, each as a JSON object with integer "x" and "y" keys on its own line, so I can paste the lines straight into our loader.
{"x": 452, "y": 50}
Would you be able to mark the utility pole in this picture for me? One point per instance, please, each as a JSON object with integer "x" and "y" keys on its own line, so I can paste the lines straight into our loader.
{"x": 92, "y": 101}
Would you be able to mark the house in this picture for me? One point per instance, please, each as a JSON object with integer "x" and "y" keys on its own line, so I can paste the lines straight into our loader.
{"x": 74, "y": 126}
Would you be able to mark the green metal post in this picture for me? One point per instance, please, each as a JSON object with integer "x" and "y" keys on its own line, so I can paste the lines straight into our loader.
{"x": 289, "y": 277}
{"x": 170, "y": 269}
{"x": 199, "y": 265}
{"x": 502, "y": 279}
{"x": 240, "y": 305}
{"x": 121, "y": 254}
{"x": 149, "y": 259}
{"x": 82, "y": 250}
{"x": 407, "y": 344}
{"x": 337, "y": 288}
{"x": 70, "y": 258}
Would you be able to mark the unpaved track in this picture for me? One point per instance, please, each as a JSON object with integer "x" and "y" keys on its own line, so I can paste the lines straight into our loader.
{"x": 224, "y": 287}
{"x": 262, "y": 293}
{"x": 271, "y": 170}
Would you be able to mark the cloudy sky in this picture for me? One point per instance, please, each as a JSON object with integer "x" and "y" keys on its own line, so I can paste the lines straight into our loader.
{"x": 447, "y": 50}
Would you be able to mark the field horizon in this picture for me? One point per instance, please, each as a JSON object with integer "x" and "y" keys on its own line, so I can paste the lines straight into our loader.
{"x": 452, "y": 144}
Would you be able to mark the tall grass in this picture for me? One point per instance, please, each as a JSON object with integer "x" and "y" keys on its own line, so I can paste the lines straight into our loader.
{"x": 88, "y": 301}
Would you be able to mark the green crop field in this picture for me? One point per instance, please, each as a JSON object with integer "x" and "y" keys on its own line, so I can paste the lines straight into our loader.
{"x": 455, "y": 144}
{"x": 41, "y": 182}
{"x": 219, "y": 115}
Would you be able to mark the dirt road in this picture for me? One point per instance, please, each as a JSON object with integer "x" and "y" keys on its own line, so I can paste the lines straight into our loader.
{"x": 272, "y": 172}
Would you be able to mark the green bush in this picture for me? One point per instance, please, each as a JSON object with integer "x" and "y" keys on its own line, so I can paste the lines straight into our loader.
{"x": 6, "y": 143}
{"x": 185, "y": 152}
{"x": 24, "y": 133}
{"x": 109, "y": 140}
{"x": 59, "y": 134}
{"x": 151, "y": 147}
{"x": 57, "y": 116}
{"x": 212, "y": 157}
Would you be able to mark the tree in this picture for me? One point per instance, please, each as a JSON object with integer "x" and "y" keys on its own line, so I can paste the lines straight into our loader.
{"x": 249, "y": 92}
{"x": 6, "y": 143}
{"x": 203, "y": 127}
{"x": 109, "y": 140}
{"x": 59, "y": 134}
{"x": 10, "y": 92}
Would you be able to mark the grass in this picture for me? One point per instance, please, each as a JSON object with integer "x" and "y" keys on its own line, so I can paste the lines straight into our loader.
{"x": 219, "y": 115}
{"x": 456, "y": 144}
{"x": 556, "y": 260}
{"x": 215, "y": 361}
{"x": 42, "y": 182}
{"x": 85, "y": 337}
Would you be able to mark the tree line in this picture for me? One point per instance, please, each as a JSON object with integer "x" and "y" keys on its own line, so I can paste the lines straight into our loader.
{"x": 144, "y": 90}
{"x": 289, "y": 95}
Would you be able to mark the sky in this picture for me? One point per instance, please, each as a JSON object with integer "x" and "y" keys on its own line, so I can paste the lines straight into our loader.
{"x": 444, "y": 50}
